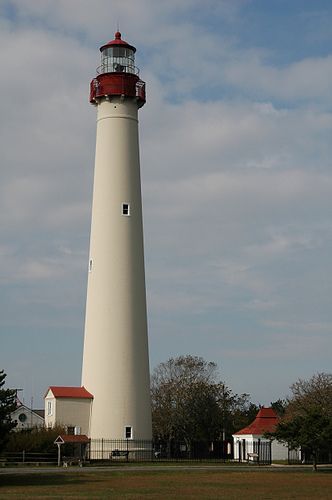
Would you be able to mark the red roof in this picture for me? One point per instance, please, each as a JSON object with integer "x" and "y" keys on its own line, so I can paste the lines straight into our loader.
{"x": 117, "y": 42}
{"x": 265, "y": 421}
{"x": 70, "y": 392}
{"x": 67, "y": 438}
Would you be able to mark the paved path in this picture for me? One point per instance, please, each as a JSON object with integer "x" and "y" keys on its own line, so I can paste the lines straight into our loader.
{"x": 149, "y": 468}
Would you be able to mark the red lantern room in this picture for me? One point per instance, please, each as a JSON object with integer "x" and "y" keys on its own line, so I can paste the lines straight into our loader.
{"x": 117, "y": 74}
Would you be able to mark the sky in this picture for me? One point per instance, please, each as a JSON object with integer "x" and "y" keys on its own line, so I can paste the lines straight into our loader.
{"x": 236, "y": 157}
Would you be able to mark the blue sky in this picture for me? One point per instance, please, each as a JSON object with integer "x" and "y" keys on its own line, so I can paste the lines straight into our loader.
{"x": 236, "y": 157}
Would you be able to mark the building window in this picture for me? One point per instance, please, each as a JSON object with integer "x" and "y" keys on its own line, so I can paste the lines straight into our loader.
{"x": 128, "y": 432}
{"x": 125, "y": 209}
{"x": 22, "y": 417}
{"x": 90, "y": 265}
{"x": 49, "y": 408}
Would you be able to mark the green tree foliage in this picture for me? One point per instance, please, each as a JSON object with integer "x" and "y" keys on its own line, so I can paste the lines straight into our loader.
{"x": 312, "y": 432}
{"x": 241, "y": 412}
{"x": 37, "y": 439}
{"x": 279, "y": 406}
{"x": 190, "y": 403}
{"x": 7, "y": 406}
{"x": 307, "y": 421}
{"x": 184, "y": 397}
{"x": 313, "y": 395}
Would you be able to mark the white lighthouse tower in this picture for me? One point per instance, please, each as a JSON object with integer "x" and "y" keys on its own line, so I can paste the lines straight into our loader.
{"x": 115, "y": 359}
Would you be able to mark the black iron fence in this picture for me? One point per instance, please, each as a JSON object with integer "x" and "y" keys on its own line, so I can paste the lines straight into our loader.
{"x": 305, "y": 456}
{"x": 257, "y": 451}
{"x": 131, "y": 450}
{"x": 128, "y": 450}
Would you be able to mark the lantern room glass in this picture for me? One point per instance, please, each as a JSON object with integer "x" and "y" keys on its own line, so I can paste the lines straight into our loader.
{"x": 118, "y": 60}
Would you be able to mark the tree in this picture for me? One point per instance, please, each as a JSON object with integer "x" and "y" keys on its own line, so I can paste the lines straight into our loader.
{"x": 311, "y": 432}
{"x": 37, "y": 439}
{"x": 7, "y": 406}
{"x": 311, "y": 395}
{"x": 190, "y": 403}
{"x": 307, "y": 421}
{"x": 241, "y": 412}
{"x": 184, "y": 397}
{"x": 279, "y": 406}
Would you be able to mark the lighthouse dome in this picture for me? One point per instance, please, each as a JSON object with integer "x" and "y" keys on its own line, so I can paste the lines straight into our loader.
{"x": 117, "y": 56}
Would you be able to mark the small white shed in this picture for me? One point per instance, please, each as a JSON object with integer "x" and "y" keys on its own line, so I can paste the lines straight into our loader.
{"x": 250, "y": 441}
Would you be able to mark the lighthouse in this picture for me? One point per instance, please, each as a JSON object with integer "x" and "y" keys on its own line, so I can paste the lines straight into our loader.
{"x": 115, "y": 357}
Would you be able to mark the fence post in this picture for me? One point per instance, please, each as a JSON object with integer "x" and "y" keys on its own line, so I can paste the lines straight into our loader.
{"x": 258, "y": 450}
{"x": 23, "y": 456}
{"x": 270, "y": 450}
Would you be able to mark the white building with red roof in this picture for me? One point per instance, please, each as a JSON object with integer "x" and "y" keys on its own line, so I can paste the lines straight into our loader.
{"x": 250, "y": 440}
{"x": 70, "y": 407}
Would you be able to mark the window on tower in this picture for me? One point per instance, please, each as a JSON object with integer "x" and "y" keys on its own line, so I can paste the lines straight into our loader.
{"x": 49, "y": 408}
{"x": 125, "y": 209}
{"x": 128, "y": 432}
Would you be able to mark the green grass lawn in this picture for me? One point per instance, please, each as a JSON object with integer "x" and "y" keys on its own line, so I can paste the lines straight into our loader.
{"x": 198, "y": 484}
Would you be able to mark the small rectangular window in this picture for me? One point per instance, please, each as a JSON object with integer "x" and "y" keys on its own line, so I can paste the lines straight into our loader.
{"x": 128, "y": 432}
{"x": 125, "y": 209}
{"x": 49, "y": 408}
{"x": 90, "y": 265}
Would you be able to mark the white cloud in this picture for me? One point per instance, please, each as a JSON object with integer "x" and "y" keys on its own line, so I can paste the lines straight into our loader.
{"x": 308, "y": 79}
{"x": 283, "y": 242}
{"x": 307, "y": 327}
